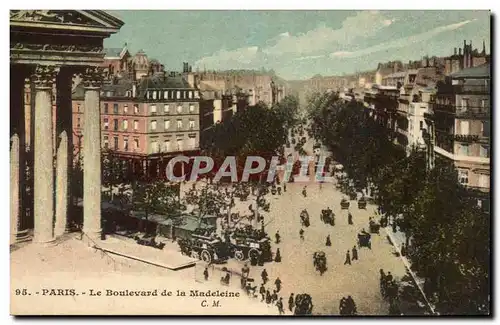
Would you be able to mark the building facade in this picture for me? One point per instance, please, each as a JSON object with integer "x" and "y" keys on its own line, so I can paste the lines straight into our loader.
{"x": 461, "y": 118}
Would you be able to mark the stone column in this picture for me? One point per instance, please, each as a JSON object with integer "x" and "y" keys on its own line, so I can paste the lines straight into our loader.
{"x": 15, "y": 204}
{"x": 62, "y": 186}
{"x": 92, "y": 153}
{"x": 44, "y": 155}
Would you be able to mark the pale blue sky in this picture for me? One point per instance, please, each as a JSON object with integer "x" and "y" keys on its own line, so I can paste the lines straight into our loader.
{"x": 297, "y": 44}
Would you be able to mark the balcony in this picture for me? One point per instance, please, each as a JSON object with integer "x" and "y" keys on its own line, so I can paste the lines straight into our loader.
{"x": 466, "y": 138}
{"x": 472, "y": 89}
{"x": 473, "y": 114}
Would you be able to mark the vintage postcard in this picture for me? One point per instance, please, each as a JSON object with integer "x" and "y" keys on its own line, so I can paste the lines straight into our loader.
{"x": 250, "y": 162}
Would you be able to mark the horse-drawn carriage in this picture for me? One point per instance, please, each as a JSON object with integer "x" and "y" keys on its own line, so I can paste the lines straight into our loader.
{"x": 206, "y": 249}
{"x": 362, "y": 203}
{"x": 364, "y": 240}
{"x": 250, "y": 248}
{"x": 303, "y": 304}
{"x": 328, "y": 217}
{"x": 374, "y": 227}
{"x": 344, "y": 204}
{"x": 304, "y": 218}
{"x": 319, "y": 261}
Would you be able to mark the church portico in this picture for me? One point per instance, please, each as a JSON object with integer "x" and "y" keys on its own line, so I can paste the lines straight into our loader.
{"x": 51, "y": 47}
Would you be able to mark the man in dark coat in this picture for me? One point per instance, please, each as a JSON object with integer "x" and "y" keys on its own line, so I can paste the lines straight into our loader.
{"x": 274, "y": 297}
{"x": 349, "y": 218}
{"x": 277, "y": 283}
{"x": 278, "y": 237}
{"x": 301, "y": 233}
{"x": 291, "y": 302}
{"x": 268, "y": 297}
{"x": 279, "y": 304}
{"x": 264, "y": 276}
{"x": 328, "y": 241}
{"x": 277, "y": 258}
{"x": 354, "y": 253}
{"x": 347, "y": 258}
{"x": 262, "y": 291}
{"x": 205, "y": 274}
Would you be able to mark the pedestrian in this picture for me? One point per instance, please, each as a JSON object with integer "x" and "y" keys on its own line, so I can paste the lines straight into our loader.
{"x": 277, "y": 283}
{"x": 347, "y": 258}
{"x": 342, "y": 306}
{"x": 301, "y": 233}
{"x": 268, "y": 297}
{"x": 279, "y": 304}
{"x": 304, "y": 192}
{"x": 277, "y": 258}
{"x": 205, "y": 273}
{"x": 284, "y": 186}
{"x": 274, "y": 297}
{"x": 394, "y": 226}
{"x": 245, "y": 271}
{"x": 351, "y": 305}
{"x": 264, "y": 276}
{"x": 278, "y": 237}
{"x": 291, "y": 302}
{"x": 279, "y": 190}
{"x": 349, "y": 218}
{"x": 262, "y": 291}
{"x": 354, "y": 253}
{"x": 388, "y": 278}
{"x": 328, "y": 241}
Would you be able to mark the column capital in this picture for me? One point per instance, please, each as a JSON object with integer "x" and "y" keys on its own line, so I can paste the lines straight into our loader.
{"x": 92, "y": 77}
{"x": 44, "y": 76}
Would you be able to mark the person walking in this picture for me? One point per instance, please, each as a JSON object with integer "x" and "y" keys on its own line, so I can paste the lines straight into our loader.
{"x": 277, "y": 258}
{"x": 264, "y": 276}
{"x": 328, "y": 241}
{"x": 274, "y": 297}
{"x": 291, "y": 302}
{"x": 262, "y": 292}
{"x": 205, "y": 273}
{"x": 354, "y": 253}
{"x": 347, "y": 258}
{"x": 279, "y": 304}
{"x": 301, "y": 233}
{"x": 277, "y": 283}
{"x": 278, "y": 237}
{"x": 349, "y": 218}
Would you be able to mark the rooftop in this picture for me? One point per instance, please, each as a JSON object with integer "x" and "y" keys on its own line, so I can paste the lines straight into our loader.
{"x": 482, "y": 71}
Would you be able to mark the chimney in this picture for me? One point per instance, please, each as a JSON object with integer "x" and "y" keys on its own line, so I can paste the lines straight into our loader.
{"x": 455, "y": 51}
{"x": 460, "y": 51}
{"x": 484, "y": 48}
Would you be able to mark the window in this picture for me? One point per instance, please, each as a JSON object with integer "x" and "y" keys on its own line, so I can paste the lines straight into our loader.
{"x": 464, "y": 127}
{"x": 483, "y": 152}
{"x": 106, "y": 124}
{"x": 166, "y": 108}
{"x": 421, "y": 125}
{"x": 78, "y": 107}
{"x": 153, "y": 109}
{"x": 464, "y": 105}
{"x": 463, "y": 149}
{"x": 136, "y": 144}
{"x": 115, "y": 124}
{"x": 78, "y": 122}
{"x": 125, "y": 109}
{"x": 166, "y": 124}
{"x": 166, "y": 145}
{"x": 154, "y": 94}
{"x": 125, "y": 144}
{"x": 179, "y": 144}
{"x": 136, "y": 109}
{"x": 179, "y": 124}
{"x": 115, "y": 108}
{"x": 190, "y": 94}
{"x": 178, "y": 95}
{"x": 485, "y": 128}
{"x": 115, "y": 140}
{"x": 106, "y": 142}
{"x": 136, "y": 125}
{"x": 179, "y": 109}
{"x": 106, "y": 108}
{"x": 191, "y": 108}
{"x": 191, "y": 124}
{"x": 154, "y": 146}
{"x": 153, "y": 125}
{"x": 147, "y": 95}
{"x": 192, "y": 141}
{"x": 165, "y": 94}
{"x": 125, "y": 124}
{"x": 463, "y": 177}
{"x": 484, "y": 180}
{"x": 483, "y": 104}
{"x": 196, "y": 94}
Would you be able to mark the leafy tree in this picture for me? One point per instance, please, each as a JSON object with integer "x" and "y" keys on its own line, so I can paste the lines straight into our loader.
{"x": 207, "y": 199}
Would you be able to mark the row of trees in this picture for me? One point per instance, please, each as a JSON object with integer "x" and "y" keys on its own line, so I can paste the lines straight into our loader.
{"x": 447, "y": 233}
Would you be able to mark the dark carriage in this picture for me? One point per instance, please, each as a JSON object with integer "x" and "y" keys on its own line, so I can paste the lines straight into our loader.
{"x": 362, "y": 203}
{"x": 364, "y": 240}
{"x": 344, "y": 204}
{"x": 251, "y": 248}
{"x": 319, "y": 262}
{"x": 374, "y": 227}
{"x": 328, "y": 217}
{"x": 207, "y": 249}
